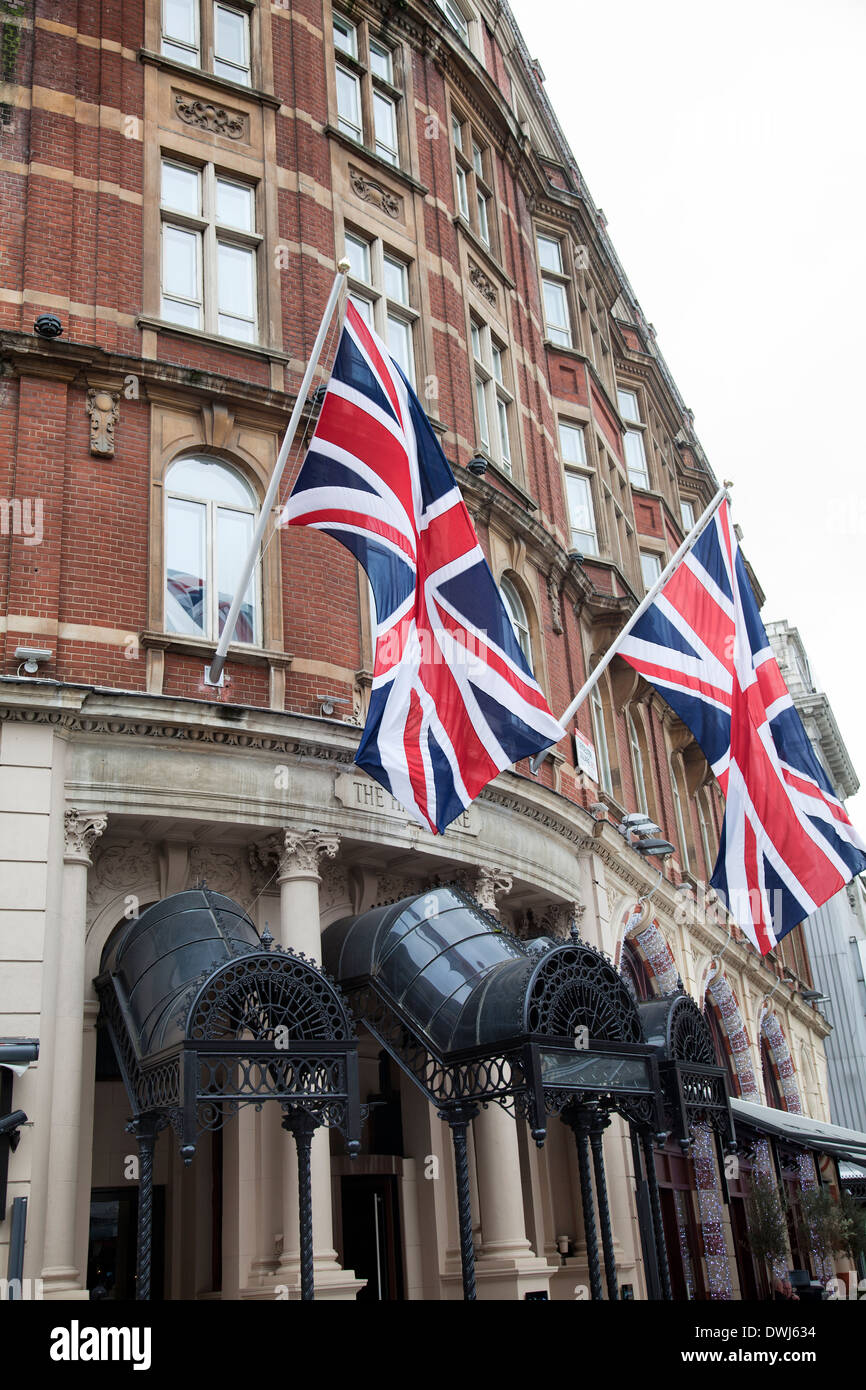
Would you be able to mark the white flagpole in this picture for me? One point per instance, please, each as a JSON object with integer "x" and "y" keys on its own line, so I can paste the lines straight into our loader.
{"x": 663, "y": 578}
{"x": 213, "y": 674}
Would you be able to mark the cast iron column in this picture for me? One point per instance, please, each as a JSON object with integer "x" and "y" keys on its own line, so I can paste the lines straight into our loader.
{"x": 575, "y": 1118}
{"x": 145, "y": 1130}
{"x": 303, "y": 1126}
{"x": 598, "y": 1122}
{"x": 655, "y": 1205}
{"x": 459, "y": 1117}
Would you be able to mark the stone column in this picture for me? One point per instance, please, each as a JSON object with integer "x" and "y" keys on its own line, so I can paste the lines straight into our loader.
{"x": 61, "y": 1277}
{"x": 298, "y": 854}
{"x": 506, "y": 1266}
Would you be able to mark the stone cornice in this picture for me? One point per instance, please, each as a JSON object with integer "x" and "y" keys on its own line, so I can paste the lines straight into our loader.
{"x": 25, "y": 354}
{"x": 186, "y": 73}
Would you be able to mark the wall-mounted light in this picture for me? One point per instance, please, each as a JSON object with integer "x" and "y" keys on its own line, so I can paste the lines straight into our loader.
{"x": 32, "y": 657}
{"x": 328, "y": 704}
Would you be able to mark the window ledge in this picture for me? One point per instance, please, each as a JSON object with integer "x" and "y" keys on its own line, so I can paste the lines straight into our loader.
{"x": 201, "y": 647}
{"x": 569, "y": 351}
{"x": 199, "y": 335}
{"x": 224, "y": 84}
{"x": 483, "y": 250}
{"x": 363, "y": 152}
{"x": 485, "y": 487}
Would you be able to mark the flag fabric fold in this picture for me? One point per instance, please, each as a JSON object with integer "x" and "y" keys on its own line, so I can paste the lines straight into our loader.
{"x": 453, "y": 699}
{"x": 787, "y": 844}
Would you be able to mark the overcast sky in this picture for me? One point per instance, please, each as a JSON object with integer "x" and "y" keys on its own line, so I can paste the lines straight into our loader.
{"x": 725, "y": 144}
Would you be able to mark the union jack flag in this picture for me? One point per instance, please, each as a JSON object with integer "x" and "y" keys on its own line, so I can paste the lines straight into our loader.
{"x": 453, "y": 699}
{"x": 787, "y": 844}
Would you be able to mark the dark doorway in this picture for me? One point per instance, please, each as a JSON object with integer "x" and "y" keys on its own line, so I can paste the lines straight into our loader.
{"x": 749, "y": 1288}
{"x": 371, "y": 1235}
{"x": 111, "y": 1246}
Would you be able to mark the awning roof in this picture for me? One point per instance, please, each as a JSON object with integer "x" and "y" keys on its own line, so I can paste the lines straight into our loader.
{"x": 800, "y": 1129}
{"x": 157, "y": 959}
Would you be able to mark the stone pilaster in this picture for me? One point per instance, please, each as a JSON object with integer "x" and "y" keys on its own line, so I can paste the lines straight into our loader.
{"x": 60, "y": 1274}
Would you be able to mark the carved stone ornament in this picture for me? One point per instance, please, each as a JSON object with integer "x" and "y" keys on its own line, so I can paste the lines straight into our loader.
{"x": 121, "y": 868}
{"x": 207, "y": 116}
{"x": 490, "y": 885}
{"x": 219, "y": 869}
{"x": 302, "y": 850}
{"x": 482, "y": 283}
{"x": 372, "y": 191}
{"x": 103, "y": 407}
{"x": 264, "y": 860}
{"x": 82, "y": 831}
{"x": 554, "y": 580}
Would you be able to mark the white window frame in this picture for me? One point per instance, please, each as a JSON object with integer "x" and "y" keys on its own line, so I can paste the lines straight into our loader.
{"x": 633, "y": 443}
{"x": 602, "y": 748}
{"x": 650, "y": 555}
{"x": 687, "y": 521}
{"x": 474, "y": 197}
{"x": 679, "y": 814}
{"x": 585, "y": 542}
{"x": 709, "y": 857}
{"x": 168, "y": 40}
{"x": 212, "y": 507}
{"x": 383, "y": 309}
{"x": 493, "y": 397}
{"x": 560, "y": 334}
{"x": 370, "y": 88}
{"x": 210, "y": 235}
{"x": 242, "y": 73}
{"x": 516, "y": 610}
{"x": 637, "y": 765}
{"x": 205, "y": 26}
{"x": 461, "y": 22}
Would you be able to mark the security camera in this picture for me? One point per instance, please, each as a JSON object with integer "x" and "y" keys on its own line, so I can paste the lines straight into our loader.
{"x": 48, "y": 326}
{"x": 9, "y": 1127}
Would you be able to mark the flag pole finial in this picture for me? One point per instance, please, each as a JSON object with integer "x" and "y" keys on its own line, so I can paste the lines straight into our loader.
{"x": 344, "y": 265}
{"x": 727, "y": 483}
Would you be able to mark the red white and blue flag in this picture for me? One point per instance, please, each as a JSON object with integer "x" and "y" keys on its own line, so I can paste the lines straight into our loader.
{"x": 453, "y": 700}
{"x": 787, "y": 844}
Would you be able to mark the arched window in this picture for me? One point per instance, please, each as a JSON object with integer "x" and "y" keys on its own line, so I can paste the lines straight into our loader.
{"x": 635, "y": 969}
{"x": 517, "y": 613}
{"x": 723, "y": 1053}
{"x": 706, "y": 842}
{"x": 210, "y": 515}
{"x": 637, "y": 764}
{"x": 680, "y": 815}
{"x": 772, "y": 1090}
{"x": 599, "y": 733}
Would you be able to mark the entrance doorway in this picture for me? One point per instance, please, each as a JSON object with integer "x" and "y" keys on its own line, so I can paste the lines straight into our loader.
{"x": 112, "y": 1242}
{"x": 371, "y": 1235}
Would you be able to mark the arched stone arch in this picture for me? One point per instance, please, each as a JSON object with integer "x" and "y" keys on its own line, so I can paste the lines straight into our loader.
{"x": 719, "y": 990}
{"x": 210, "y": 431}
{"x": 519, "y": 582}
{"x": 648, "y": 937}
{"x": 113, "y": 914}
{"x": 658, "y": 955}
{"x": 771, "y": 1030}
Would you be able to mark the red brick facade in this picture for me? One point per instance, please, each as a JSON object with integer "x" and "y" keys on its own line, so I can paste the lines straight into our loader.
{"x": 91, "y": 108}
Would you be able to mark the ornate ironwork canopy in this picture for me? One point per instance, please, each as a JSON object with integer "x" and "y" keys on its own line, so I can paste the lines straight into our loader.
{"x": 473, "y": 1014}
{"x": 204, "y": 1019}
{"x": 695, "y": 1087}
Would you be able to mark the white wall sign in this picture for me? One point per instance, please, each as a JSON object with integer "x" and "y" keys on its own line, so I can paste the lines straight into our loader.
{"x": 585, "y": 750}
